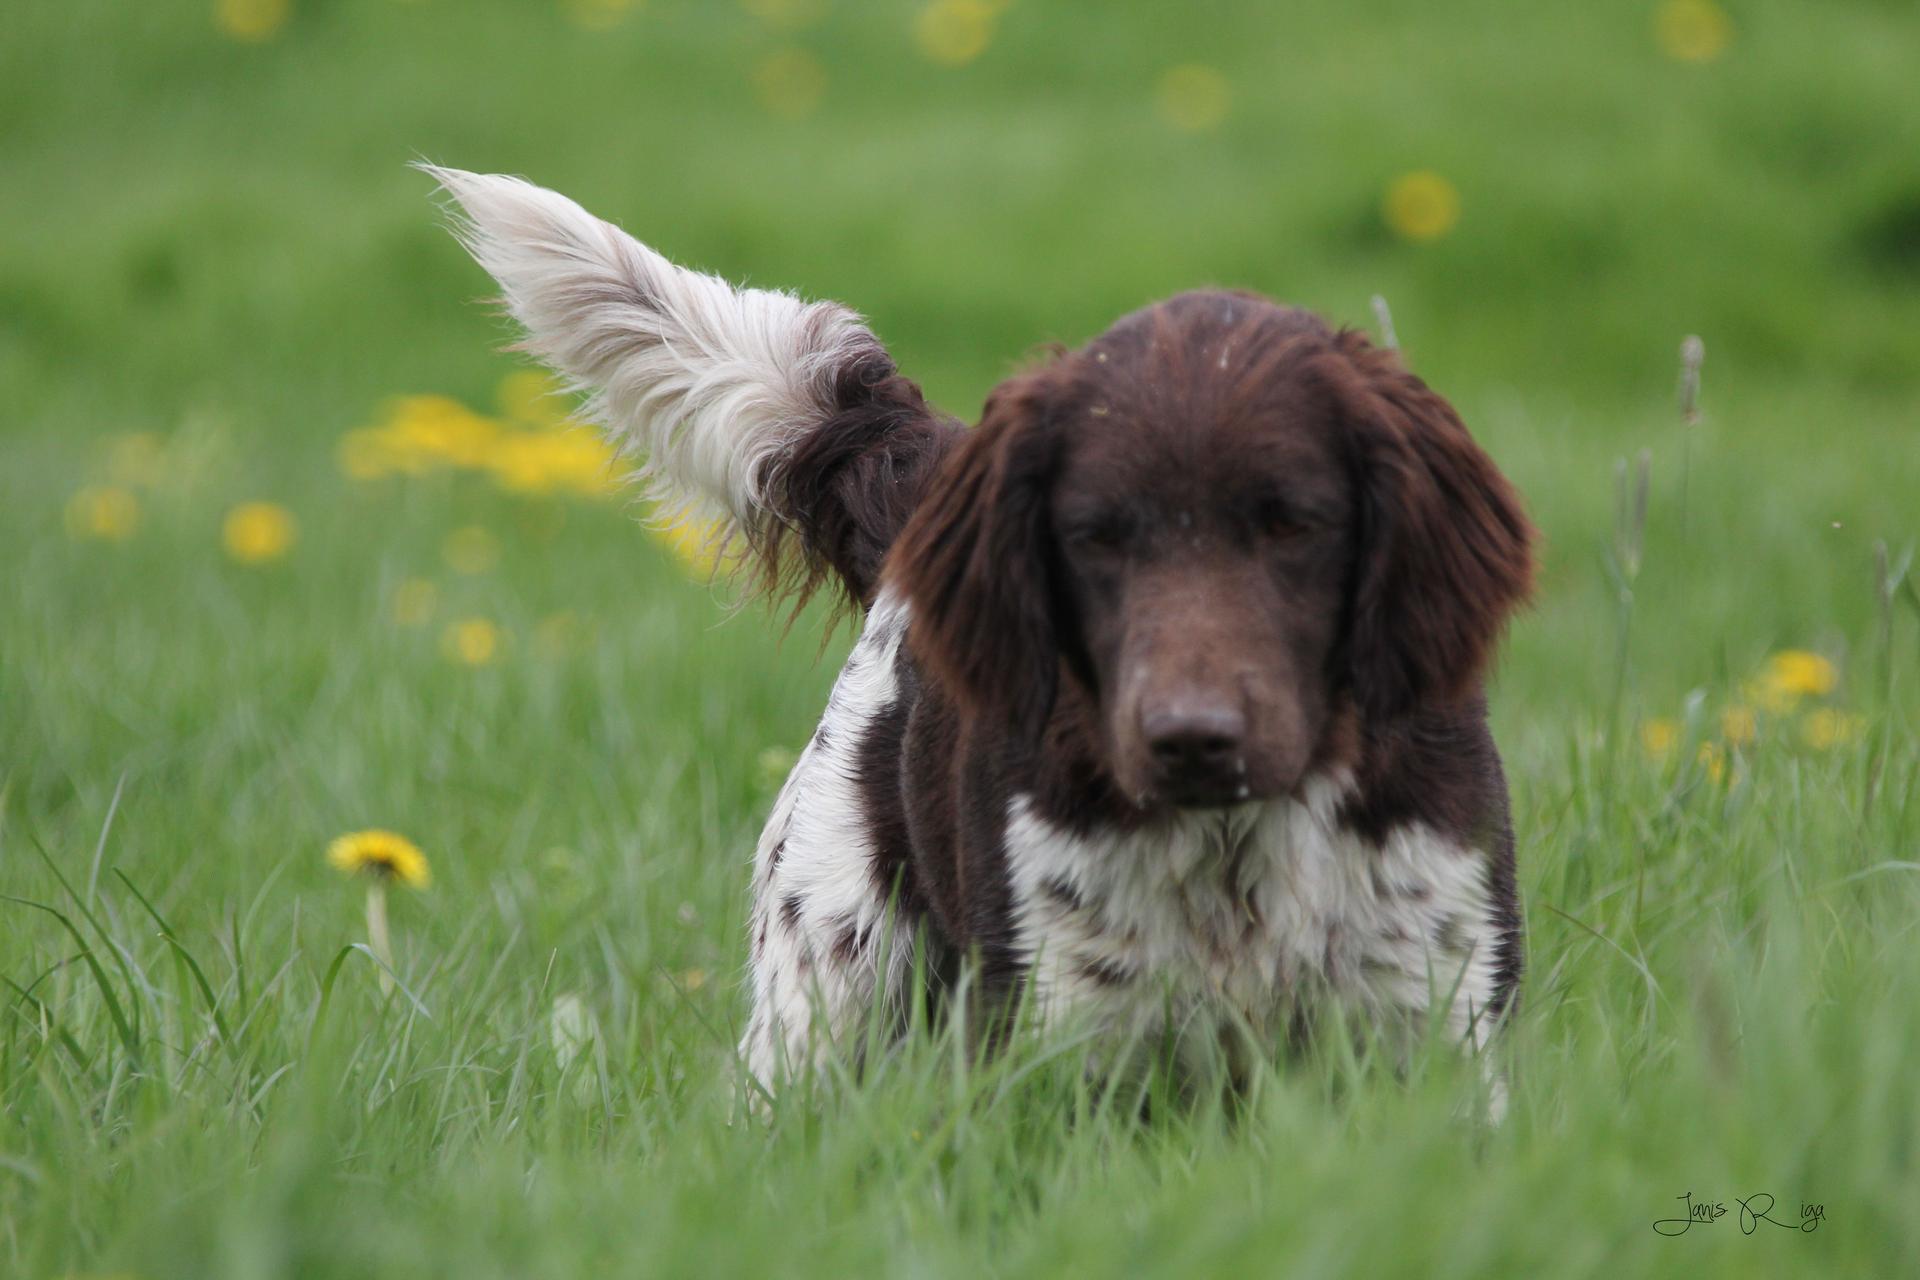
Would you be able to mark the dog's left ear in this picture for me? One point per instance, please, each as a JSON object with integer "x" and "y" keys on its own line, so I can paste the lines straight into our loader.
{"x": 1445, "y": 548}
{"x": 973, "y": 562}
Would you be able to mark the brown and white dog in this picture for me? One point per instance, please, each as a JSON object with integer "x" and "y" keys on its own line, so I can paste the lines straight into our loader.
{"x": 1167, "y": 707}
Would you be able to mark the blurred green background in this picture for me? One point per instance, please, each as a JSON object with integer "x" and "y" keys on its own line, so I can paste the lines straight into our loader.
{"x": 215, "y": 266}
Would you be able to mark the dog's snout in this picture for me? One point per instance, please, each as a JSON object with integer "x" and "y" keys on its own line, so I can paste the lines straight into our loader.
{"x": 1195, "y": 737}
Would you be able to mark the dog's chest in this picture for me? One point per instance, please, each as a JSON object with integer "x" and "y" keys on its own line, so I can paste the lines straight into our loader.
{"x": 1252, "y": 912}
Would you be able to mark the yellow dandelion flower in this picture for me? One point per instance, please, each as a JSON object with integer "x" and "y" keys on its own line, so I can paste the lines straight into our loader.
{"x": 135, "y": 458}
{"x": 1738, "y": 725}
{"x": 597, "y": 15}
{"x": 533, "y": 397}
{"x": 107, "y": 512}
{"x": 1692, "y": 30}
{"x": 368, "y": 453}
{"x": 790, "y": 83}
{"x": 1193, "y": 98}
{"x": 258, "y": 532}
{"x": 955, "y": 32}
{"x": 414, "y": 601}
{"x": 1800, "y": 673}
{"x": 251, "y": 21}
{"x": 1827, "y": 728}
{"x": 471, "y": 641}
{"x": 1421, "y": 206}
{"x": 430, "y": 430}
{"x": 1713, "y": 758}
{"x": 383, "y": 855}
{"x": 697, "y": 544}
{"x": 470, "y": 549}
{"x": 1658, "y": 737}
{"x": 692, "y": 979}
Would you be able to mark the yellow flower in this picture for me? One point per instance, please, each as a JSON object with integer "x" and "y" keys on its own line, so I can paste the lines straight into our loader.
{"x": 256, "y": 532}
{"x": 1826, "y": 728}
{"x": 1193, "y": 98}
{"x": 474, "y": 642}
{"x": 251, "y": 21}
{"x": 955, "y": 32}
{"x": 382, "y": 854}
{"x": 531, "y": 396}
{"x": 135, "y": 458}
{"x": 414, "y": 602}
{"x": 428, "y": 430}
{"x": 1800, "y": 673}
{"x": 697, "y": 543}
{"x": 470, "y": 549}
{"x": 1421, "y": 206}
{"x": 597, "y": 15}
{"x": 1658, "y": 736}
{"x": 1692, "y": 30}
{"x": 1714, "y": 760}
{"x": 790, "y": 83}
{"x": 107, "y": 512}
{"x": 1738, "y": 725}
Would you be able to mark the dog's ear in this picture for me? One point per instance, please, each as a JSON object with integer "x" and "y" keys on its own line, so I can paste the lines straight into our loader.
{"x": 973, "y": 561}
{"x": 1445, "y": 549}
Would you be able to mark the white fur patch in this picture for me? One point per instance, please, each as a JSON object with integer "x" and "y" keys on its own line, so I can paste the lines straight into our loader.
{"x": 819, "y": 921}
{"x": 703, "y": 383}
{"x": 1250, "y": 914}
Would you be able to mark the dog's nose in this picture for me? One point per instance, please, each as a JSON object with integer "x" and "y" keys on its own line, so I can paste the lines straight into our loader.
{"x": 1195, "y": 737}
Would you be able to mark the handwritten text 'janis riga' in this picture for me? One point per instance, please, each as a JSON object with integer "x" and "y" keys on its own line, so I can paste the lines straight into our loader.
{"x": 1754, "y": 1210}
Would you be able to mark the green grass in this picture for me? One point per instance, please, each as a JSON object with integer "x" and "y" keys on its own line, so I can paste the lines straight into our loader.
{"x": 219, "y": 243}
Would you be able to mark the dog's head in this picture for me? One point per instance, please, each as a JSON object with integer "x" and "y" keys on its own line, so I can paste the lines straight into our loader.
{"x": 1227, "y": 524}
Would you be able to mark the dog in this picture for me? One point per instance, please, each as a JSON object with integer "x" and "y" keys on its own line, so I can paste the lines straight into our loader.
{"x": 1167, "y": 709}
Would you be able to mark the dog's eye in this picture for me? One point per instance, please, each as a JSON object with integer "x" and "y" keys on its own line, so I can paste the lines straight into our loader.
{"x": 1103, "y": 531}
{"x": 1279, "y": 521}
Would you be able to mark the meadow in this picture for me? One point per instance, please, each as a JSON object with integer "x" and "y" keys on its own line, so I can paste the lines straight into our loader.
{"x": 289, "y": 550}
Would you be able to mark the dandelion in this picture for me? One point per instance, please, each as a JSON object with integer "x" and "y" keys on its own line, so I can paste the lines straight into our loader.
{"x": 597, "y": 15}
{"x": 1791, "y": 676}
{"x": 414, "y": 601}
{"x": 955, "y": 32}
{"x": 1193, "y": 98}
{"x": 470, "y": 549}
{"x": 1827, "y": 728}
{"x": 1713, "y": 758}
{"x": 1692, "y": 30}
{"x": 1738, "y": 725}
{"x": 692, "y": 979}
{"x": 135, "y": 459}
{"x": 472, "y": 642}
{"x": 790, "y": 83}
{"x": 251, "y": 21}
{"x": 1658, "y": 736}
{"x": 107, "y": 512}
{"x": 697, "y": 543}
{"x": 1421, "y": 206}
{"x": 258, "y": 532}
{"x": 532, "y": 397}
{"x": 382, "y": 857}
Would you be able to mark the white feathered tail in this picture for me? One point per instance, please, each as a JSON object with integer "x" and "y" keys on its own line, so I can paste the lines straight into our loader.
{"x": 703, "y": 385}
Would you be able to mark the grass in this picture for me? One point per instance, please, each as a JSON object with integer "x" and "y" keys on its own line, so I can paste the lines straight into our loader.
{"x": 218, "y": 243}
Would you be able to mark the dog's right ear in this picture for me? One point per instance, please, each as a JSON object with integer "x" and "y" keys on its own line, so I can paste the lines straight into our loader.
{"x": 972, "y": 561}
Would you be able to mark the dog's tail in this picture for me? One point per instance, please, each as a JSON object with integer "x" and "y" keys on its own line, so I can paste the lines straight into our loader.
{"x": 784, "y": 420}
